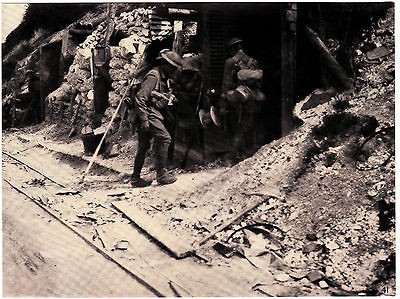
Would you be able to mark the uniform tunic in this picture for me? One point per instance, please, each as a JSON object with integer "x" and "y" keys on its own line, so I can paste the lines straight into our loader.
{"x": 148, "y": 114}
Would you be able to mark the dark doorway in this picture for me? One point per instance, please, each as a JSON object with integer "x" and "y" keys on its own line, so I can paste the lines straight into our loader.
{"x": 49, "y": 71}
{"x": 259, "y": 26}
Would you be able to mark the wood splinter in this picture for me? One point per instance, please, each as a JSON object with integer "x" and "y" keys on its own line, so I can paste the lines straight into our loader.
{"x": 243, "y": 212}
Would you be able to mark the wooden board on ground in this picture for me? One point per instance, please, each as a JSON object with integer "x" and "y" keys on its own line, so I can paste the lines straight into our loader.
{"x": 175, "y": 244}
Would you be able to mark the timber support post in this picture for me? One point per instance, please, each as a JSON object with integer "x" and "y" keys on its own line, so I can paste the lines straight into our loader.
{"x": 331, "y": 63}
{"x": 288, "y": 65}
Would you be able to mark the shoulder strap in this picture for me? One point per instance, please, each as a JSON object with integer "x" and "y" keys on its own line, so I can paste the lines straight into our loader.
{"x": 250, "y": 62}
{"x": 156, "y": 74}
{"x": 243, "y": 65}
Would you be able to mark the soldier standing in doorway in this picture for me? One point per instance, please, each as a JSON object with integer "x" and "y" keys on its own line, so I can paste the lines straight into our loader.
{"x": 240, "y": 98}
{"x": 34, "y": 92}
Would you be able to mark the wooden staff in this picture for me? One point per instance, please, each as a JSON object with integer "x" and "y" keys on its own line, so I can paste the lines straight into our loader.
{"x": 105, "y": 133}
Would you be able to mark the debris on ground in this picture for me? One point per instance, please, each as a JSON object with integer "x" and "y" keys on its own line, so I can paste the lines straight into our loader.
{"x": 335, "y": 218}
{"x": 314, "y": 209}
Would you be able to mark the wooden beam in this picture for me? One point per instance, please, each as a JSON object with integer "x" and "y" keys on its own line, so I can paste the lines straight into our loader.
{"x": 288, "y": 65}
{"x": 331, "y": 62}
{"x": 80, "y": 31}
{"x": 175, "y": 244}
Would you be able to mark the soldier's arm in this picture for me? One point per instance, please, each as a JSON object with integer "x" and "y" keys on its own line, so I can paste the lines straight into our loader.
{"x": 228, "y": 80}
{"x": 143, "y": 96}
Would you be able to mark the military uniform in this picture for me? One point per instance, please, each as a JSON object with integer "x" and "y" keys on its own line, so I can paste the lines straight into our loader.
{"x": 240, "y": 115}
{"x": 151, "y": 121}
{"x": 231, "y": 68}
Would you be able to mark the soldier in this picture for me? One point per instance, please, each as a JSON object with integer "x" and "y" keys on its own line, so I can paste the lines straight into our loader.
{"x": 151, "y": 104}
{"x": 240, "y": 97}
{"x": 34, "y": 91}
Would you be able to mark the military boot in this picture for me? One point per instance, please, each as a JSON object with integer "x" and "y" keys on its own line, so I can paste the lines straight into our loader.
{"x": 165, "y": 178}
{"x": 138, "y": 182}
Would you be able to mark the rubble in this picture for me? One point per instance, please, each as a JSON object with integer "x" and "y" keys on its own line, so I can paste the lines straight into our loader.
{"x": 333, "y": 221}
{"x": 329, "y": 213}
{"x": 282, "y": 277}
{"x": 122, "y": 245}
{"x": 315, "y": 276}
{"x": 323, "y": 285}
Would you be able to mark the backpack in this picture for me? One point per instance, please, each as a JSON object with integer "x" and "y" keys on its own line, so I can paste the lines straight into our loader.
{"x": 135, "y": 84}
{"x": 248, "y": 70}
{"x": 249, "y": 77}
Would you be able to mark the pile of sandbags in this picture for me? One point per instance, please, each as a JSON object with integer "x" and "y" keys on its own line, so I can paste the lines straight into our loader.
{"x": 144, "y": 24}
{"x": 59, "y": 102}
{"x": 127, "y": 57}
{"x": 135, "y": 21}
{"x": 122, "y": 69}
{"x": 79, "y": 79}
{"x": 141, "y": 26}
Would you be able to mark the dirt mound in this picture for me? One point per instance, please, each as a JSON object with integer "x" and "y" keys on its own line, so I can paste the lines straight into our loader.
{"x": 336, "y": 175}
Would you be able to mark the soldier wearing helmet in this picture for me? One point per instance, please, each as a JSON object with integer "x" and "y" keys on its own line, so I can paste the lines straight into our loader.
{"x": 240, "y": 97}
{"x": 33, "y": 81}
{"x": 151, "y": 101}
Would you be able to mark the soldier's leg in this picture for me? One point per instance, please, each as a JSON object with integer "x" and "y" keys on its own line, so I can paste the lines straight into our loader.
{"x": 170, "y": 125}
{"x": 143, "y": 146}
{"x": 162, "y": 140}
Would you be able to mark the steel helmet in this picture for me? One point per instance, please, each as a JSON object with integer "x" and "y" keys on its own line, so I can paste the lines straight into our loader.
{"x": 233, "y": 41}
{"x": 171, "y": 57}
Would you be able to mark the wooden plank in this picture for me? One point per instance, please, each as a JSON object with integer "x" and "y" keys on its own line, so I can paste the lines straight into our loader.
{"x": 160, "y": 27}
{"x": 175, "y": 244}
{"x": 160, "y": 22}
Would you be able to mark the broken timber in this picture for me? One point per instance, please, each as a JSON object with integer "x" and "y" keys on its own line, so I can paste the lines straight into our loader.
{"x": 152, "y": 227}
{"x": 332, "y": 64}
{"x": 243, "y": 212}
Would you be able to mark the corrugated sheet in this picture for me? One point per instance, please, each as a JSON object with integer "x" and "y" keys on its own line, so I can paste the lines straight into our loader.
{"x": 216, "y": 38}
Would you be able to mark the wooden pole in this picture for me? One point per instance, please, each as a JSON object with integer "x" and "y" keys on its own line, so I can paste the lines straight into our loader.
{"x": 105, "y": 133}
{"x": 177, "y": 45}
{"x": 331, "y": 62}
{"x": 110, "y": 23}
{"x": 288, "y": 65}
